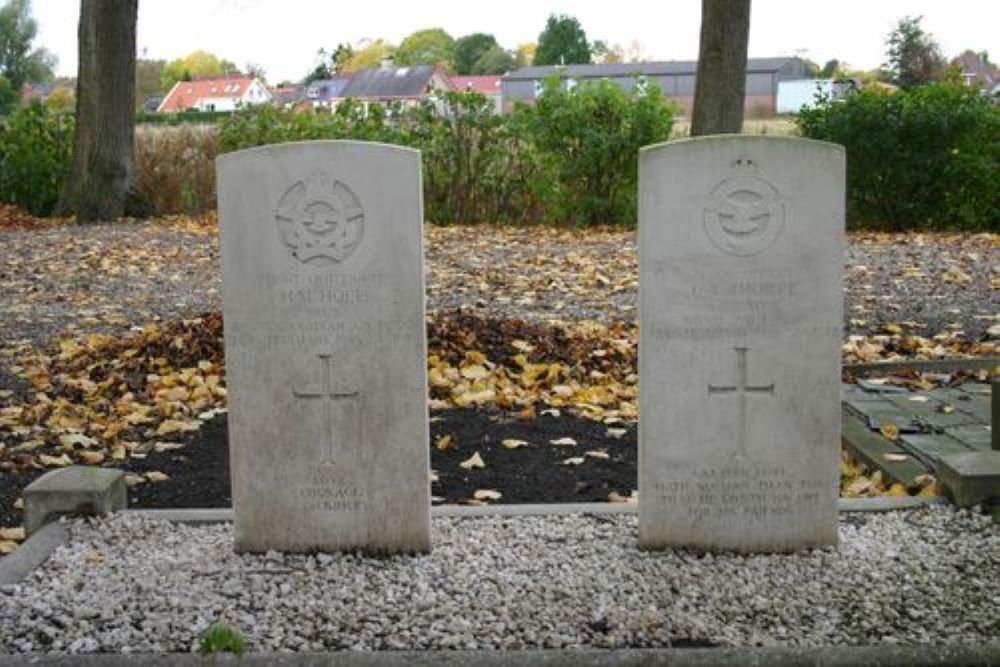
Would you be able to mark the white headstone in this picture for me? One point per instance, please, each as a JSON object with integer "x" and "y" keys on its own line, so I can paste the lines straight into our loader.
{"x": 323, "y": 298}
{"x": 741, "y": 259}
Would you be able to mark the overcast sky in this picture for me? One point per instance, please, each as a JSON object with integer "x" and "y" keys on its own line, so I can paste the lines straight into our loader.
{"x": 284, "y": 35}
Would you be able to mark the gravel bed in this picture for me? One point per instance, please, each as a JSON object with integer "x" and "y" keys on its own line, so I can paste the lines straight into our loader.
{"x": 132, "y": 584}
{"x": 69, "y": 279}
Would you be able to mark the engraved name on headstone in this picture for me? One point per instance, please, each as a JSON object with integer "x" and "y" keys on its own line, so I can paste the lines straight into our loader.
{"x": 741, "y": 256}
{"x": 323, "y": 299}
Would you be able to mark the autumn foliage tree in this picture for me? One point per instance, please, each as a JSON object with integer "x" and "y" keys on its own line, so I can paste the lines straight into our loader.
{"x": 914, "y": 58}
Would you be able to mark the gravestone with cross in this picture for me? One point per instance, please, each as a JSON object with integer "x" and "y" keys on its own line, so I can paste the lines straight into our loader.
{"x": 741, "y": 255}
{"x": 325, "y": 347}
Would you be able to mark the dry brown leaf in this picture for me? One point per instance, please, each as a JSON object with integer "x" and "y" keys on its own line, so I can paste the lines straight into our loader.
{"x": 55, "y": 461}
{"x": 90, "y": 458}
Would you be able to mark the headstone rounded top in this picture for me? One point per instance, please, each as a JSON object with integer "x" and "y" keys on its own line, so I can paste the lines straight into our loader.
{"x": 728, "y": 139}
{"x": 325, "y": 144}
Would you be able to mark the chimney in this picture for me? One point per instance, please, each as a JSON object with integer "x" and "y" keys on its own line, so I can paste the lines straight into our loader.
{"x": 387, "y": 62}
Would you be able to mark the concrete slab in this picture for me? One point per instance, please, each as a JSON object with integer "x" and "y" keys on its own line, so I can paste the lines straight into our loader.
{"x": 970, "y": 479}
{"x": 73, "y": 490}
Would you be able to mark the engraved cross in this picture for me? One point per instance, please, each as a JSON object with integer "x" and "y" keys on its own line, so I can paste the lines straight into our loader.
{"x": 742, "y": 388}
{"x": 328, "y": 396}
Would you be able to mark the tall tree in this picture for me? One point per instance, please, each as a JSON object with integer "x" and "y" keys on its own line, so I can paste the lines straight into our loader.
{"x": 493, "y": 61}
{"x": 524, "y": 55}
{"x": 563, "y": 42}
{"x": 830, "y": 69}
{"x": 914, "y": 58}
{"x": 432, "y": 46}
{"x": 101, "y": 184}
{"x": 148, "y": 79}
{"x": 469, "y": 49}
{"x": 193, "y": 65}
{"x": 720, "y": 87}
{"x": 8, "y": 96}
{"x": 19, "y": 63}
{"x": 368, "y": 54}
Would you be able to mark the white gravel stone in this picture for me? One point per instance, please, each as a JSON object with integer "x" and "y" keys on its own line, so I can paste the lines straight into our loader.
{"x": 134, "y": 584}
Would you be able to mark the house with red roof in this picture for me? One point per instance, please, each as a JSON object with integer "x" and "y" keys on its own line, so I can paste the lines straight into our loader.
{"x": 226, "y": 93}
{"x": 488, "y": 85}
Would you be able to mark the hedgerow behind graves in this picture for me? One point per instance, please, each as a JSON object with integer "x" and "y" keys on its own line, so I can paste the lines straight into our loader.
{"x": 925, "y": 158}
{"x": 36, "y": 147}
{"x": 571, "y": 159}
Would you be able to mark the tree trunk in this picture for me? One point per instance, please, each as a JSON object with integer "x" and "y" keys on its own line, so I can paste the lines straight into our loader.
{"x": 720, "y": 87}
{"x": 101, "y": 185}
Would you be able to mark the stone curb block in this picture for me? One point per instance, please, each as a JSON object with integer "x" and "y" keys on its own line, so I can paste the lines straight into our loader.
{"x": 223, "y": 515}
{"x": 882, "y": 655}
{"x": 73, "y": 490}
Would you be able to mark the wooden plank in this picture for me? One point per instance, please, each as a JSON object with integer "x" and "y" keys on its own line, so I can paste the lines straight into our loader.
{"x": 870, "y": 448}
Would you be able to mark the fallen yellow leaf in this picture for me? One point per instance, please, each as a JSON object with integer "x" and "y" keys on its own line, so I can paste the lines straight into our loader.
{"x": 889, "y": 430}
{"x": 474, "y": 461}
{"x": 12, "y": 534}
{"x": 513, "y": 443}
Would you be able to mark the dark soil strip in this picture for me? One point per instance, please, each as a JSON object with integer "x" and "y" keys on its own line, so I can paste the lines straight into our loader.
{"x": 199, "y": 472}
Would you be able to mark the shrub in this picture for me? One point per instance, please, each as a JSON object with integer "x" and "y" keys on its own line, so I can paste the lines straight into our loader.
{"x": 589, "y": 139}
{"x": 175, "y": 167}
{"x": 220, "y": 638}
{"x": 182, "y": 117}
{"x": 477, "y": 167}
{"x": 36, "y": 147}
{"x": 925, "y": 158}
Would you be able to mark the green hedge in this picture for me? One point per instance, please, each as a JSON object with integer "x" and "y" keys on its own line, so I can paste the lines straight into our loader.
{"x": 182, "y": 117}
{"x": 36, "y": 147}
{"x": 570, "y": 159}
{"x": 925, "y": 158}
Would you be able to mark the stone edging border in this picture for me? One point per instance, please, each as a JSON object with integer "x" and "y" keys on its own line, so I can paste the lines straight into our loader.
{"x": 885, "y": 655}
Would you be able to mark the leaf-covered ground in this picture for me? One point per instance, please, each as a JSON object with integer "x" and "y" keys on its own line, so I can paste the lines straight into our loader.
{"x": 111, "y": 353}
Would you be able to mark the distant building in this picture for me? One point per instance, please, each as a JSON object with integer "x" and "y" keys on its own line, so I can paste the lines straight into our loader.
{"x": 215, "y": 94}
{"x": 287, "y": 96}
{"x": 675, "y": 78}
{"x": 977, "y": 72}
{"x": 798, "y": 93}
{"x": 326, "y": 93}
{"x": 488, "y": 85}
{"x": 152, "y": 103}
{"x": 390, "y": 83}
{"x": 40, "y": 92}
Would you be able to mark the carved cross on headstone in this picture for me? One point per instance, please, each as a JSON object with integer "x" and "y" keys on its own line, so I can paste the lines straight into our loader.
{"x": 742, "y": 388}
{"x": 328, "y": 395}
